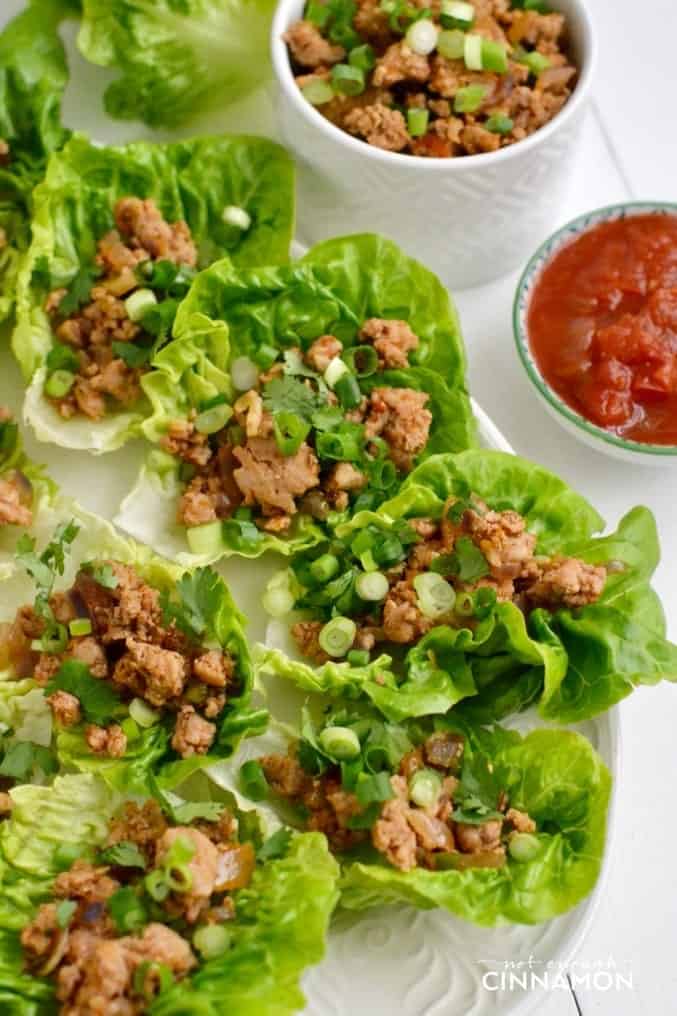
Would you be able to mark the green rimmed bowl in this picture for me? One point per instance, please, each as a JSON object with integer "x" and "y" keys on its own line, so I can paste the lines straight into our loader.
{"x": 573, "y": 422}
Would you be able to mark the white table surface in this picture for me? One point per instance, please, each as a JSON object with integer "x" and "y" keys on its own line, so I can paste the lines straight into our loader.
{"x": 630, "y": 151}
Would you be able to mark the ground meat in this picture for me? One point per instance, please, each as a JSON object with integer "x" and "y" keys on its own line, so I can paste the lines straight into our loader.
{"x": 202, "y": 867}
{"x": 156, "y": 675}
{"x": 38, "y": 938}
{"x": 393, "y": 340}
{"x": 272, "y": 480}
{"x": 504, "y": 540}
{"x": 85, "y": 882}
{"x": 371, "y": 21}
{"x": 160, "y": 944}
{"x": 119, "y": 381}
{"x": 379, "y": 126}
{"x": 520, "y": 821}
{"x": 285, "y": 775}
{"x": 13, "y": 512}
{"x": 6, "y": 804}
{"x": 87, "y": 650}
{"x": 444, "y": 750}
{"x": 214, "y": 668}
{"x": 538, "y": 30}
{"x": 400, "y": 63}
{"x": 192, "y": 734}
{"x": 322, "y": 352}
{"x": 449, "y": 76}
{"x": 201, "y": 502}
{"x": 132, "y": 608}
{"x": 306, "y": 635}
{"x": 309, "y": 48}
{"x": 393, "y": 836}
{"x": 476, "y": 139}
{"x": 566, "y": 582}
{"x": 139, "y": 824}
{"x": 343, "y": 478}
{"x": 403, "y": 622}
{"x": 65, "y": 708}
{"x": 431, "y": 832}
{"x": 473, "y": 839}
{"x": 399, "y": 416}
{"x": 142, "y": 223}
{"x": 187, "y": 443}
{"x": 111, "y": 741}
{"x": 115, "y": 257}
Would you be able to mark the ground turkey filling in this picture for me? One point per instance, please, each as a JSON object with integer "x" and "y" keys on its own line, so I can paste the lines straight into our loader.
{"x": 16, "y": 494}
{"x": 462, "y": 110}
{"x": 513, "y": 572}
{"x": 104, "y": 380}
{"x": 76, "y": 938}
{"x": 242, "y": 465}
{"x": 131, "y": 647}
{"x": 407, "y": 834}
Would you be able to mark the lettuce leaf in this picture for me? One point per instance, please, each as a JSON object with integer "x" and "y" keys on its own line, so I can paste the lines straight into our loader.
{"x": 33, "y": 76}
{"x": 280, "y": 927}
{"x": 177, "y": 58}
{"x": 73, "y": 208}
{"x": 149, "y": 756}
{"x": 230, "y": 313}
{"x": 14, "y": 460}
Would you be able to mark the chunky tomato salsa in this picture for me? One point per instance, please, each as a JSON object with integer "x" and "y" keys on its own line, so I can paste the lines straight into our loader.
{"x": 603, "y": 326}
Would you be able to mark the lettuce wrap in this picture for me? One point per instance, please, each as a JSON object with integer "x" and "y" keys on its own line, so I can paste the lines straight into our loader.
{"x": 491, "y": 825}
{"x": 33, "y": 76}
{"x": 354, "y": 312}
{"x": 93, "y": 598}
{"x": 236, "y": 196}
{"x": 177, "y": 58}
{"x": 24, "y": 489}
{"x": 501, "y": 597}
{"x": 278, "y": 927}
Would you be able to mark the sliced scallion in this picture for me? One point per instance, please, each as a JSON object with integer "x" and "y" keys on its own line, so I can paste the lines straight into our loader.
{"x": 59, "y": 384}
{"x": 253, "y": 780}
{"x": 335, "y": 371}
{"x": 347, "y": 80}
{"x": 523, "y": 847}
{"x": 324, "y": 567}
{"x": 142, "y": 713}
{"x": 494, "y": 56}
{"x": 213, "y": 420}
{"x": 465, "y": 604}
{"x": 470, "y": 98}
{"x": 244, "y": 373}
{"x": 337, "y": 636}
{"x": 290, "y": 432}
{"x": 139, "y": 303}
{"x": 535, "y": 61}
{"x": 435, "y": 596}
{"x": 456, "y": 14}
{"x": 451, "y": 44}
{"x": 499, "y": 123}
{"x": 472, "y": 52}
{"x": 318, "y": 92}
{"x": 362, "y": 57}
{"x": 421, "y": 37}
{"x": 81, "y": 626}
{"x": 358, "y": 658}
{"x": 348, "y": 391}
{"x": 417, "y": 122}
{"x": 340, "y": 743}
{"x": 278, "y": 599}
{"x": 372, "y": 586}
{"x": 362, "y": 360}
{"x": 212, "y": 940}
{"x": 424, "y": 787}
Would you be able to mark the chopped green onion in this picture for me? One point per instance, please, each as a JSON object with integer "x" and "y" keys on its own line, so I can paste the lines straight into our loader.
{"x": 233, "y": 215}
{"x": 348, "y": 391}
{"x": 207, "y": 540}
{"x": 424, "y": 787}
{"x": 213, "y": 420}
{"x": 81, "y": 626}
{"x": 347, "y": 80}
{"x": 127, "y": 910}
{"x": 335, "y": 371}
{"x": 535, "y": 61}
{"x": 389, "y": 550}
{"x": 372, "y": 586}
{"x": 455, "y": 14}
{"x": 383, "y": 473}
{"x": 363, "y": 541}
{"x": 142, "y": 713}
{"x": 367, "y": 561}
{"x": 337, "y": 636}
{"x": 472, "y": 54}
{"x": 244, "y": 374}
{"x": 523, "y": 847}
{"x": 151, "y": 979}
{"x": 318, "y": 92}
{"x": 465, "y": 604}
{"x": 451, "y": 45}
{"x": 253, "y": 781}
{"x": 340, "y": 743}
{"x": 362, "y": 57}
{"x": 362, "y": 360}
{"x": 499, "y": 123}
{"x": 266, "y": 356}
{"x": 139, "y": 303}
{"x": 421, "y": 37}
{"x": 324, "y": 567}
{"x": 485, "y": 601}
{"x": 341, "y": 447}
{"x": 212, "y": 940}
{"x": 290, "y": 432}
{"x": 130, "y": 729}
{"x": 435, "y": 596}
{"x": 64, "y": 911}
{"x": 55, "y": 643}
{"x": 66, "y": 854}
{"x": 179, "y": 878}
{"x": 470, "y": 98}
{"x": 59, "y": 384}
{"x": 317, "y": 12}
{"x": 358, "y": 658}
{"x": 372, "y": 788}
{"x": 494, "y": 56}
{"x": 417, "y": 122}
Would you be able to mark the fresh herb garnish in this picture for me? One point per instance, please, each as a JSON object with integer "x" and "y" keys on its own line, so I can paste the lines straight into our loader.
{"x": 472, "y": 564}
{"x": 124, "y": 855}
{"x": 62, "y": 357}
{"x": 201, "y": 595}
{"x": 43, "y": 569}
{"x": 131, "y": 354}
{"x": 22, "y": 758}
{"x": 275, "y": 846}
{"x": 127, "y": 910}
{"x": 98, "y": 701}
{"x": 373, "y": 787}
{"x": 79, "y": 290}
{"x": 287, "y": 395}
{"x": 102, "y": 574}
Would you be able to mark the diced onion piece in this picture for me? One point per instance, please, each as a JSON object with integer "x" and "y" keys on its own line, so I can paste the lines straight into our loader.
{"x": 472, "y": 52}
{"x": 341, "y": 743}
{"x": 318, "y": 92}
{"x": 211, "y": 421}
{"x": 244, "y": 373}
{"x": 421, "y": 37}
{"x": 424, "y": 787}
{"x": 139, "y": 303}
{"x": 451, "y": 44}
{"x": 372, "y": 586}
{"x": 335, "y": 371}
{"x": 435, "y": 596}
{"x": 233, "y": 215}
{"x": 142, "y": 713}
{"x": 337, "y": 636}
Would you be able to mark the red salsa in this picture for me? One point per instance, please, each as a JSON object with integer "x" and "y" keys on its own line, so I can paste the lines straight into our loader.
{"x": 603, "y": 326}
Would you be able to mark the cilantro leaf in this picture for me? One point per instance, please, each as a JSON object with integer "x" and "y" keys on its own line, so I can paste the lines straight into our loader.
{"x": 185, "y": 812}
{"x": 127, "y": 910}
{"x": 200, "y": 597}
{"x": 64, "y": 911}
{"x": 472, "y": 564}
{"x": 22, "y": 758}
{"x": 102, "y": 574}
{"x": 288, "y": 395}
{"x": 98, "y": 701}
{"x": 79, "y": 290}
{"x": 43, "y": 569}
{"x": 131, "y": 354}
{"x": 62, "y": 357}
{"x": 124, "y": 854}
{"x": 275, "y": 846}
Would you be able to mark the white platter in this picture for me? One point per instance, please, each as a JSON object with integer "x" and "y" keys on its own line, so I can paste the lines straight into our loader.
{"x": 421, "y": 964}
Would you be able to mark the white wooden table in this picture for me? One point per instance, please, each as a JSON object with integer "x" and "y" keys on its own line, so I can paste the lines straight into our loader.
{"x": 630, "y": 151}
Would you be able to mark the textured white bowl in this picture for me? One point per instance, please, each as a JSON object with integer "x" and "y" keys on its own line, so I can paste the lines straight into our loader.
{"x": 472, "y": 219}
{"x": 636, "y": 452}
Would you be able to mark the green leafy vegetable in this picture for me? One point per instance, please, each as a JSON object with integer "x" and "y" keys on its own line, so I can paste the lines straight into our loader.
{"x": 133, "y": 355}
{"x": 124, "y": 855}
{"x": 44, "y": 569}
{"x": 98, "y": 701}
{"x": 471, "y": 562}
{"x": 21, "y": 760}
{"x": 275, "y": 846}
{"x": 288, "y": 395}
{"x": 201, "y": 595}
{"x": 103, "y": 574}
{"x": 127, "y": 910}
{"x": 79, "y": 291}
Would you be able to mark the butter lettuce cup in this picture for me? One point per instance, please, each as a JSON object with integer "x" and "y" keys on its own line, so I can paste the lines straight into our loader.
{"x": 317, "y": 388}
{"x": 474, "y": 217}
{"x": 603, "y": 368}
{"x": 118, "y": 234}
{"x": 192, "y": 904}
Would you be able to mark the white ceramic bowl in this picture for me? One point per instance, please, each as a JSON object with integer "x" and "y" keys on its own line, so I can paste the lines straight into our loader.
{"x": 639, "y": 453}
{"x": 473, "y": 218}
